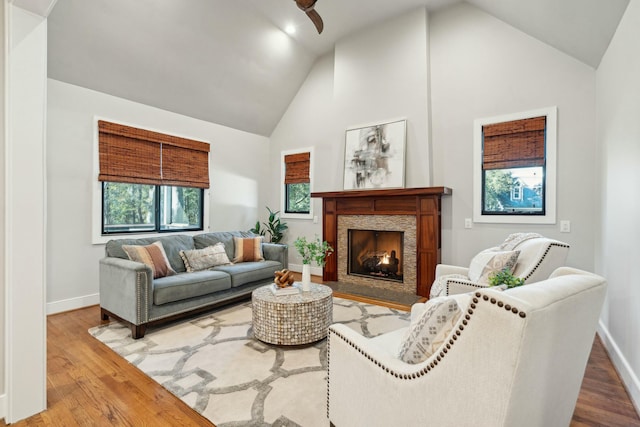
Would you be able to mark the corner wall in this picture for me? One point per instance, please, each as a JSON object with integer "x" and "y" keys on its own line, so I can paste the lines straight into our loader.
{"x": 25, "y": 215}
{"x": 618, "y": 89}
{"x": 3, "y": 64}
{"x": 237, "y": 170}
{"x": 372, "y": 77}
{"x": 482, "y": 67}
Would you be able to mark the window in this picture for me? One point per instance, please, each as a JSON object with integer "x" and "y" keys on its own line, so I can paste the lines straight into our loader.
{"x": 151, "y": 182}
{"x": 296, "y": 172}
{"x": 514, "y": 163}
{"x": 139, "y": 208}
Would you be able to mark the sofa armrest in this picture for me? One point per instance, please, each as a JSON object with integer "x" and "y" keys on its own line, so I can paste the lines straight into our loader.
{"x": 276, "y": 252}
{"x": 443, "y": 269}
{"x": 126, "y": 289}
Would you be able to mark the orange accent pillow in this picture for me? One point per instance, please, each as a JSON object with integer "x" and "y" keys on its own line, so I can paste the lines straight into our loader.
{"x": 248, "y": 249}
{"x": 152, "y": 255}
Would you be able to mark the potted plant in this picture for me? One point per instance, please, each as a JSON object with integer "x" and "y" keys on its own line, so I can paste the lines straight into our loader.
{"x": 274, "y": 226}
{"x": 311, "y": 251}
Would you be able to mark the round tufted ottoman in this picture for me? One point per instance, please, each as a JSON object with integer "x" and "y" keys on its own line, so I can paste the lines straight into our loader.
{"x": 292, "y": 319}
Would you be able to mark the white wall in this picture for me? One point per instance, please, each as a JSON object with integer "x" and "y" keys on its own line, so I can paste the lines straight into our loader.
{"x": 482, "y": 67}
{"x": 373, "y": 77}
{"x": 618, "y": 95}
{"x": 25, "y": 206}
{"x": 2, "y": 216}
{"x": 237, "y": 172}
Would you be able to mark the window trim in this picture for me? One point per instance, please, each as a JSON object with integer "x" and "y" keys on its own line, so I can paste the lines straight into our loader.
{"x": 549, "y": 216}
{"x": 97, "y": 238}
{"x": 283, "y": 191}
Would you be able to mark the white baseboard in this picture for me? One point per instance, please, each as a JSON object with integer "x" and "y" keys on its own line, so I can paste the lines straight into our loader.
{"x": 315, "y": 271}
{"x": 3, "y": 406}
{"x": 72, "y": 303}
{"x": 627, "y": 375}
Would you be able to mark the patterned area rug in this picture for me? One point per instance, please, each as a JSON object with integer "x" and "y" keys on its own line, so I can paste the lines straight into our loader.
{"x": 214, "y": 364}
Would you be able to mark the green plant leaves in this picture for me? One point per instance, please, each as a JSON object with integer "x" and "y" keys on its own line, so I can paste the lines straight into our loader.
{"x": 504, "y": 277}
{"x": 313, "y": 251}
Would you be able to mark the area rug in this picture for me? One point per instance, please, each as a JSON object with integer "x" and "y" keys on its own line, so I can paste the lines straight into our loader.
{"x": 215, "y": 366}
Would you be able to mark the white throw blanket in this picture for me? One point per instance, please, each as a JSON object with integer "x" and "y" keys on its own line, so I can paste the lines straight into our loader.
{"x": 515, "y": 239}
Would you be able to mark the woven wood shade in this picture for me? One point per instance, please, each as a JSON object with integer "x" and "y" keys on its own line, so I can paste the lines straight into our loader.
{"x": 297, "y": 168}
{"x": 140, "y": 156}
{"x": 514, "y": 144}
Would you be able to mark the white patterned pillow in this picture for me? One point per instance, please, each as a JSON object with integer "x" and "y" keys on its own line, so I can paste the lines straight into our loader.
{"x": 491, "y": 261}
{"x": 429, "y": 330}
{"x": 202, "y": 259}
{"x": 439, "y": 286}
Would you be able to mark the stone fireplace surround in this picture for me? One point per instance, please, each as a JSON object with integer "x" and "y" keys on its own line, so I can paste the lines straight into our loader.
{"x": 404, "y": 223}
{"x": 422, "y": 204}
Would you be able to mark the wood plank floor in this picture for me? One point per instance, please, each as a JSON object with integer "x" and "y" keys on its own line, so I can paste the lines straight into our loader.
{"x": 89, "y": 385}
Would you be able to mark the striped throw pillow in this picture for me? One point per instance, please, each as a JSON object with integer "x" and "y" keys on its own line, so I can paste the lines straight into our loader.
{"x": 152, "y": 255}
{"x": 248, "y": 249}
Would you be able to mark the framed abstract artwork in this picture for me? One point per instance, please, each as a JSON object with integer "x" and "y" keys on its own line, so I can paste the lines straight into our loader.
{"x": 374, "y": 156}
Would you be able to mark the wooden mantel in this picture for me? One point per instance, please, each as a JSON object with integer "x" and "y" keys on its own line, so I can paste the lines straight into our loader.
{"x": 423, "y": 202}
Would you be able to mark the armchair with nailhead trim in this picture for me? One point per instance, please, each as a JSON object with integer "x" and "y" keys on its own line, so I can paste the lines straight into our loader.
{"x": 538, "y": 257}
{"x": 513, "y": 358}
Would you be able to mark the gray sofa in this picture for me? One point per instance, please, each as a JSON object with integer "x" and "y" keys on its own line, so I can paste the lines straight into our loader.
{"x": 129, "y": 292}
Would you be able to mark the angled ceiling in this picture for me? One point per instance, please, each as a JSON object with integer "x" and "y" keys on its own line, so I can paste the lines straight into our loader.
{"x": 231, "y": 63}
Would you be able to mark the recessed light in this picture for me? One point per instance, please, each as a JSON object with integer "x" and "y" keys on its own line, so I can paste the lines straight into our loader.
{"x": 290, "y": 29}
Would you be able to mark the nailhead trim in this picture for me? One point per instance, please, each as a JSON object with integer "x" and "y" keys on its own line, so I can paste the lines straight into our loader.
{"x": 328, "y": 370}
{"x": 478, "y": 297}
{"x": 546, "y": 252}
{"x": 544, "y": 255}
{"x": 142, "y": 298}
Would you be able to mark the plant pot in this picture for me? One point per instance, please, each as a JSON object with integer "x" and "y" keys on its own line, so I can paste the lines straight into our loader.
{"x": 306, "y": 277}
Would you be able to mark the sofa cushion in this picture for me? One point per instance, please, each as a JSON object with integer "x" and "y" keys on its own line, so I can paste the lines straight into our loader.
{"x": 248, "y": 249}
{"x": 188, "y": 285}
{"x": 152, "y": 255}
{"x": 172, "y": 246}
{"x": 247, "y": 272}
{"x": 428, "y": 331}
{"x": 209, "y": 239}
{"x": 203, "y": 259}
{"x": 491, "y": 261}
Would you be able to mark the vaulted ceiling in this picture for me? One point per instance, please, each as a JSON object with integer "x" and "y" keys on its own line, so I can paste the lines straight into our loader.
{"x": 231, "y": 62}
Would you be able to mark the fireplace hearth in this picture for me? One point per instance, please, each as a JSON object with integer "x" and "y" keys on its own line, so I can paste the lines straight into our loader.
{"x": 375, "y": 254}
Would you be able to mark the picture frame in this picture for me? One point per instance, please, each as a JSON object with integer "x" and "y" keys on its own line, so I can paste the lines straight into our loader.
{"x": 374, "y": 156}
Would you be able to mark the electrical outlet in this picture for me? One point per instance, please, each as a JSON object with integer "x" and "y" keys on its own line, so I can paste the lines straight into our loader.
{"x": 468, "y": 223}
{"x": 565, "y": 226}
{"x": 315, "y": 219}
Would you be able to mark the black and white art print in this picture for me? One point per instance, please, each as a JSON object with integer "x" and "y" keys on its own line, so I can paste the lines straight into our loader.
{"x": 374, "y": 156}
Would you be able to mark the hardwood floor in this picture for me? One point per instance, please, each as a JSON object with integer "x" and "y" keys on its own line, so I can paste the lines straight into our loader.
{"x": 89, "y": 385}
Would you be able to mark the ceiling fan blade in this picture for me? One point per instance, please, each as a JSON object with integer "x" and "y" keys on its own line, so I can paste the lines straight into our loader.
{"x": 316, "y": 19}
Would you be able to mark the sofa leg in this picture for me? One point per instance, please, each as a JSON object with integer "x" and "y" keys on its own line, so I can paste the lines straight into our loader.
{"x": 104, "y": 315}
{"x": 138, "y": 331}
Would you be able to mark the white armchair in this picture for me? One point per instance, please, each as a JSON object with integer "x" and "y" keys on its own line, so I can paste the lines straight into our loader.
{"x": 514, "y": 358}
{"x": 539, "y": 257}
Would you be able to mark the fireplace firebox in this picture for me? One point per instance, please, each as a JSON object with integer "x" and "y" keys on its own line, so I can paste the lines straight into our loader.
{"x": 375, "y": 254}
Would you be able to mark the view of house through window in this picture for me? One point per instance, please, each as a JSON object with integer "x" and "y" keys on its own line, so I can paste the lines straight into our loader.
{"x": 513, "y": 167}
{"x": 516, "y": 190}
{"x": 135, "y": 208}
